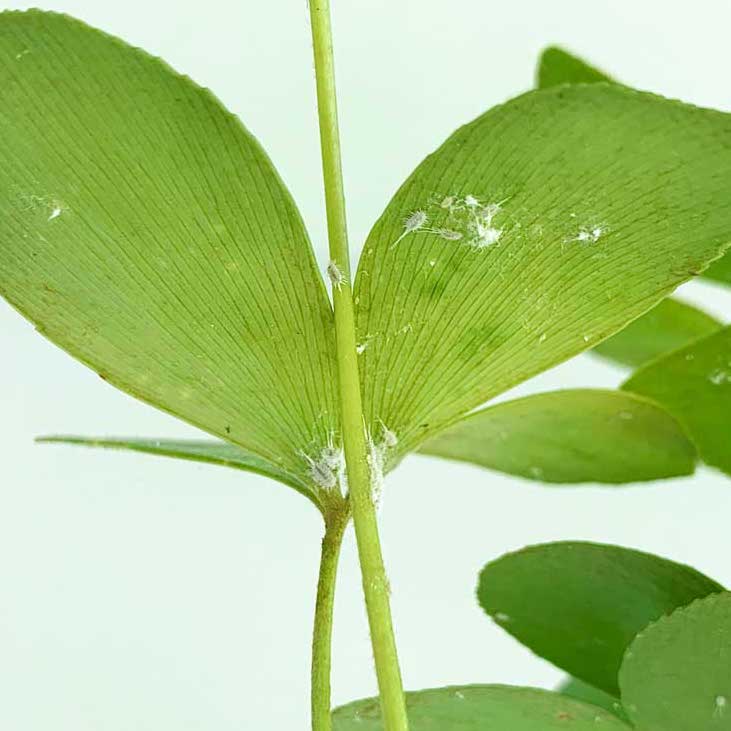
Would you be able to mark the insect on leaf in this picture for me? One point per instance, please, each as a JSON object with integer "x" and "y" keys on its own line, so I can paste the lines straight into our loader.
{"x": 694, "y": 384}
{"x": 144, "y": 230}
{"x": 579, "y": 605}
{"x": 571, "y": 437}
{"x": 532, "y": 234}
{"x": 676, "y": 675}
{"x": 558, "y": 66}
{"x": 482, "y": 707}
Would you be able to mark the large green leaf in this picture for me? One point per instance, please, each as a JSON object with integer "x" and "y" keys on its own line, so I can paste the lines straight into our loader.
{"x": 666, "y": 327}
{"x": 571, "y": 436}
{"x": 482, "y": 708}
{"x": 220, "y": 453}
{"x": 532, "y": 234}
{"x": 676, "y": 675}
{"x": 145, "y": 231}
{"x": 557, "y": 66}
{"x": 579, "y": 605}
{"x": 582, "y": 692}
{"x": 694, "y": 384}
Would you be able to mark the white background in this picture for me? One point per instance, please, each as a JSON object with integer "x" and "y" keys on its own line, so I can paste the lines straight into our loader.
{"x": 140, "y": 593}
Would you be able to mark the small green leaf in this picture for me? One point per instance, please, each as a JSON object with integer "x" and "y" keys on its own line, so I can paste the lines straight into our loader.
{"x": 532, "y": 234}
{"x": 571, "y": 436}
{"x": 668, "y": 326}
{"x": 676, "y": 675}
{"x": 145, "y": 231}
{"x": 220, "y": 453}
{"x": 482, "y": 707}
{"x": 579, "y": 690}
{"x": 579, "y": 605}
{"x": 694, "y": 384}
{"x": 557, "y": 66}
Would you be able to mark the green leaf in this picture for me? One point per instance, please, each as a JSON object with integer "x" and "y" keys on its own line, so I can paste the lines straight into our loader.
{"x": 479, "y": 708}
{"x": 145, "y": 231}
{"x": 579, "y": 605}
{"x": 694, "y": 384}
{"x": 574, "y": 688}
{"x": 676, "y": 675}
{"x": 220, "y": 453}
{"x": 557, "y": 66}
{"x": 666, "y": 327}
{"x": 573, "y": 218}
{"x": 571, "y": 436}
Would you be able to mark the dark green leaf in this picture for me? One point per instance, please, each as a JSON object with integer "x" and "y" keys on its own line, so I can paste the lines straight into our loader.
{"x": 482, "y": 708}
{"x": 668, "y": 326}
{"x": 145, "y": 231}
{"x": 574, "y": 688}
{"x": 571, "y": 436}
{"x": 573, "y": 219}
{"x": 579, "y": 605}
{"x": 694, "y": 384}
{"x": 557, "y": 66}
{"x": 676, "y": 675}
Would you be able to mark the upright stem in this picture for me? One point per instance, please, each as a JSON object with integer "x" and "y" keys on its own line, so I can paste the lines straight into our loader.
{"x": 322, "y": 632}
{"x": 375, "y": 583}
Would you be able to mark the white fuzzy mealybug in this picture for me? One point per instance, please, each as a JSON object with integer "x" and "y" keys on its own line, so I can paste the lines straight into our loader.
{"x": 335, "y": 274}
{"x": 414, "y": 222}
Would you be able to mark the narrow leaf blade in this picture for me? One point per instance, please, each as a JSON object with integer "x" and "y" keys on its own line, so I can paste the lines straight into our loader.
{"x": 557, "y": 249}
{"x": 210, "y": 452}
{"x": 481, "y": 707}
{"x": 145, "y": 231}
{"x": 569, "y": 437}
{"x": 579, "y": 605}
{"x": 694, "y": 384}
{"x": 676, "y": 675}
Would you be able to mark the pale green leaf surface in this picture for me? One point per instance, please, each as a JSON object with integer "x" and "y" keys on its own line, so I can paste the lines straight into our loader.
{"x": 482, "y": 707}
{"x": 574, "y": 688}
{"x": 220, "y": 453}
{"x": 609, "y": 198}
{"x": 557, "y": 66}
{"x": 668, "y": 326}
{"x": 676, "y": 675}
{"x": 579, "y": 605}
{"x": 694, "y": 384}
{"x": 145, "y": 231}
{"x": 571, "y": 436}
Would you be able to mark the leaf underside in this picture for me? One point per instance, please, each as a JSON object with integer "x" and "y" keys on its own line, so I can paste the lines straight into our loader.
{"x": 208, "y": 451}
{"x": 694, "y": 384}
{"x": 579, "y": 605}
{"x": 557, "y": 66}
{"x": 676, "y": 675}
{"x": 597, "y": 222}
{"x": 145, "y": 231}
{"x": 481, "y": 707}
{"x": 571, "y": 437}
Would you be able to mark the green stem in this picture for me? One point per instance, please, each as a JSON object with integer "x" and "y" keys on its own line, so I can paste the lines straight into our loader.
{"x": 375, "y": 583}
{"x": 322, "y": 632}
